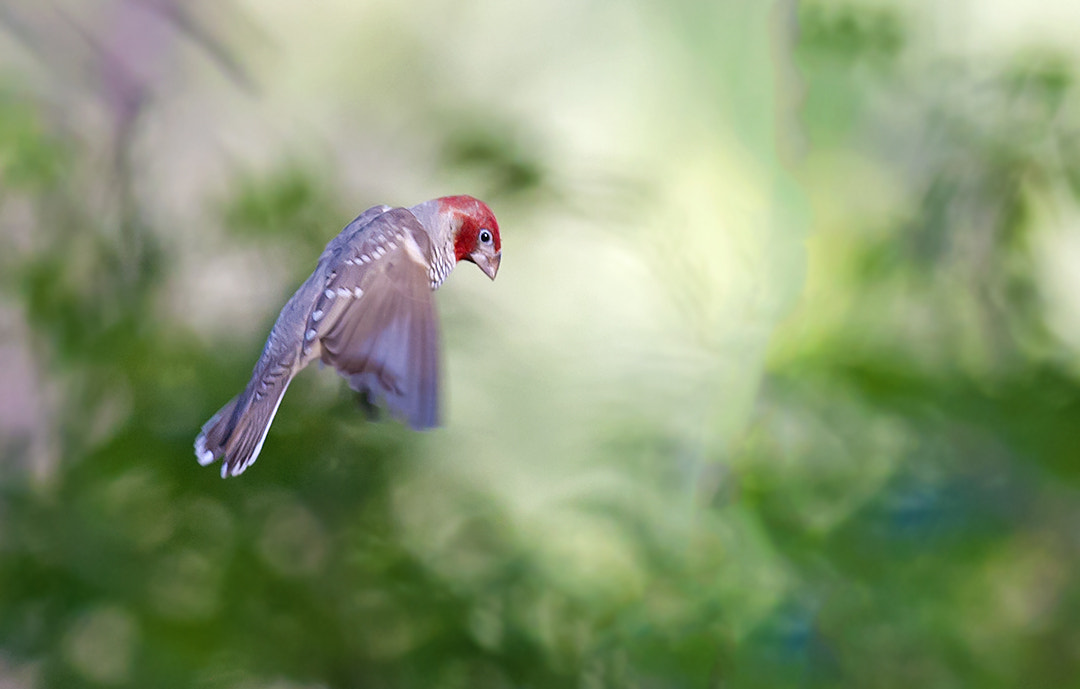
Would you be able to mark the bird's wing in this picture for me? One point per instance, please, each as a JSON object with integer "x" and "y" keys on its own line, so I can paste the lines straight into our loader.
{"x": 375, "y": 318}
{"x": 352, "y": 230}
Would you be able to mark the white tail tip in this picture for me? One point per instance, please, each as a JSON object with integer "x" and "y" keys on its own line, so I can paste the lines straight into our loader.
{"x": 201, "y": 453}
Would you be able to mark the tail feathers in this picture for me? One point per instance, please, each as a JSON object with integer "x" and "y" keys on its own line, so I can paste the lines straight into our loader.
{"x": 236, "y": 433}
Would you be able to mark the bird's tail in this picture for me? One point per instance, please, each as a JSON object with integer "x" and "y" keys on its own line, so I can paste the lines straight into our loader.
{"x": 236, "y": 433}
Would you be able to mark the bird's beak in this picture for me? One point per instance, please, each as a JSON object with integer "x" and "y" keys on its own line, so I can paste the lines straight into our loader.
{"x": 490, "y": 266}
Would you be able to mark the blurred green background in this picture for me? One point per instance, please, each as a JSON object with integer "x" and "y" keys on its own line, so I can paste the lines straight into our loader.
{"x": 779, "y": 385}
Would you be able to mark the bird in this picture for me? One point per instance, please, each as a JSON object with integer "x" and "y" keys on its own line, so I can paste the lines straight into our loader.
{"x": 367, "y": 310}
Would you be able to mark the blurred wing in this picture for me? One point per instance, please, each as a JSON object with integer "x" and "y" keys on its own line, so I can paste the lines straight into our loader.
{"x": 376, "y": 320}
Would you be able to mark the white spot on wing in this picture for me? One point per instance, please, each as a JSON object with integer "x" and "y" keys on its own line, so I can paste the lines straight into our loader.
{"x": 357, "y": 292}
{"x": 310, "y": 334}
{"x": 317, "y": 315}
{"x": 344, "y": 292}
{"x": 413, "y": 250}
{"x": 329, "y": 293}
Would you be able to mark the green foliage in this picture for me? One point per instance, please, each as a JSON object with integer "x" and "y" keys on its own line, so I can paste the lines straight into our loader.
{"x": 32, "y": 159}
{"x": 851, "y": 34}
{"x": 290, "y": 204}
{"x": 506, "y": 166}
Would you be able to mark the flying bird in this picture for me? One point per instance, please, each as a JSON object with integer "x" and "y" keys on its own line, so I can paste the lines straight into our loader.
{"x": 368, "y": 310}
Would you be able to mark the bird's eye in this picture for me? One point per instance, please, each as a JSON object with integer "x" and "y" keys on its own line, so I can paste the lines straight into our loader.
{"x": 485, "y": 236}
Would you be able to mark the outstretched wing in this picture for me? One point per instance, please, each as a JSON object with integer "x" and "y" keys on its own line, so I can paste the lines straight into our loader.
{"x": 375, "y": 318}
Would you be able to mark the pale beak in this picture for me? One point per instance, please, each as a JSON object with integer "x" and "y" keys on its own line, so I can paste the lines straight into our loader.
{"x": 490, "y": 266}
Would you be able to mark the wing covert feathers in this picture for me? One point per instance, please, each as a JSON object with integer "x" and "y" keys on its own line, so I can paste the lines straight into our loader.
{"x": 379, "y": 330}
{"x": 373, "y": 319}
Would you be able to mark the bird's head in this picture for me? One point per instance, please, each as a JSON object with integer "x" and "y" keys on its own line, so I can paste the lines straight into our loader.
{"x": 476, "y": 232}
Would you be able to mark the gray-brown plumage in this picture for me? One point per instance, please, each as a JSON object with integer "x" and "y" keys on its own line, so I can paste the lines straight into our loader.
{"x": 368, "y": 310}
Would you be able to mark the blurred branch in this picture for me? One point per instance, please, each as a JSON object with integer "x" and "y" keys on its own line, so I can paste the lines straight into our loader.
{"x": 182, "y": 16}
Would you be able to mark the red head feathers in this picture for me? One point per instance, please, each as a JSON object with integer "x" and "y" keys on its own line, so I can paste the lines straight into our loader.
{"x": 475, "y": 218}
